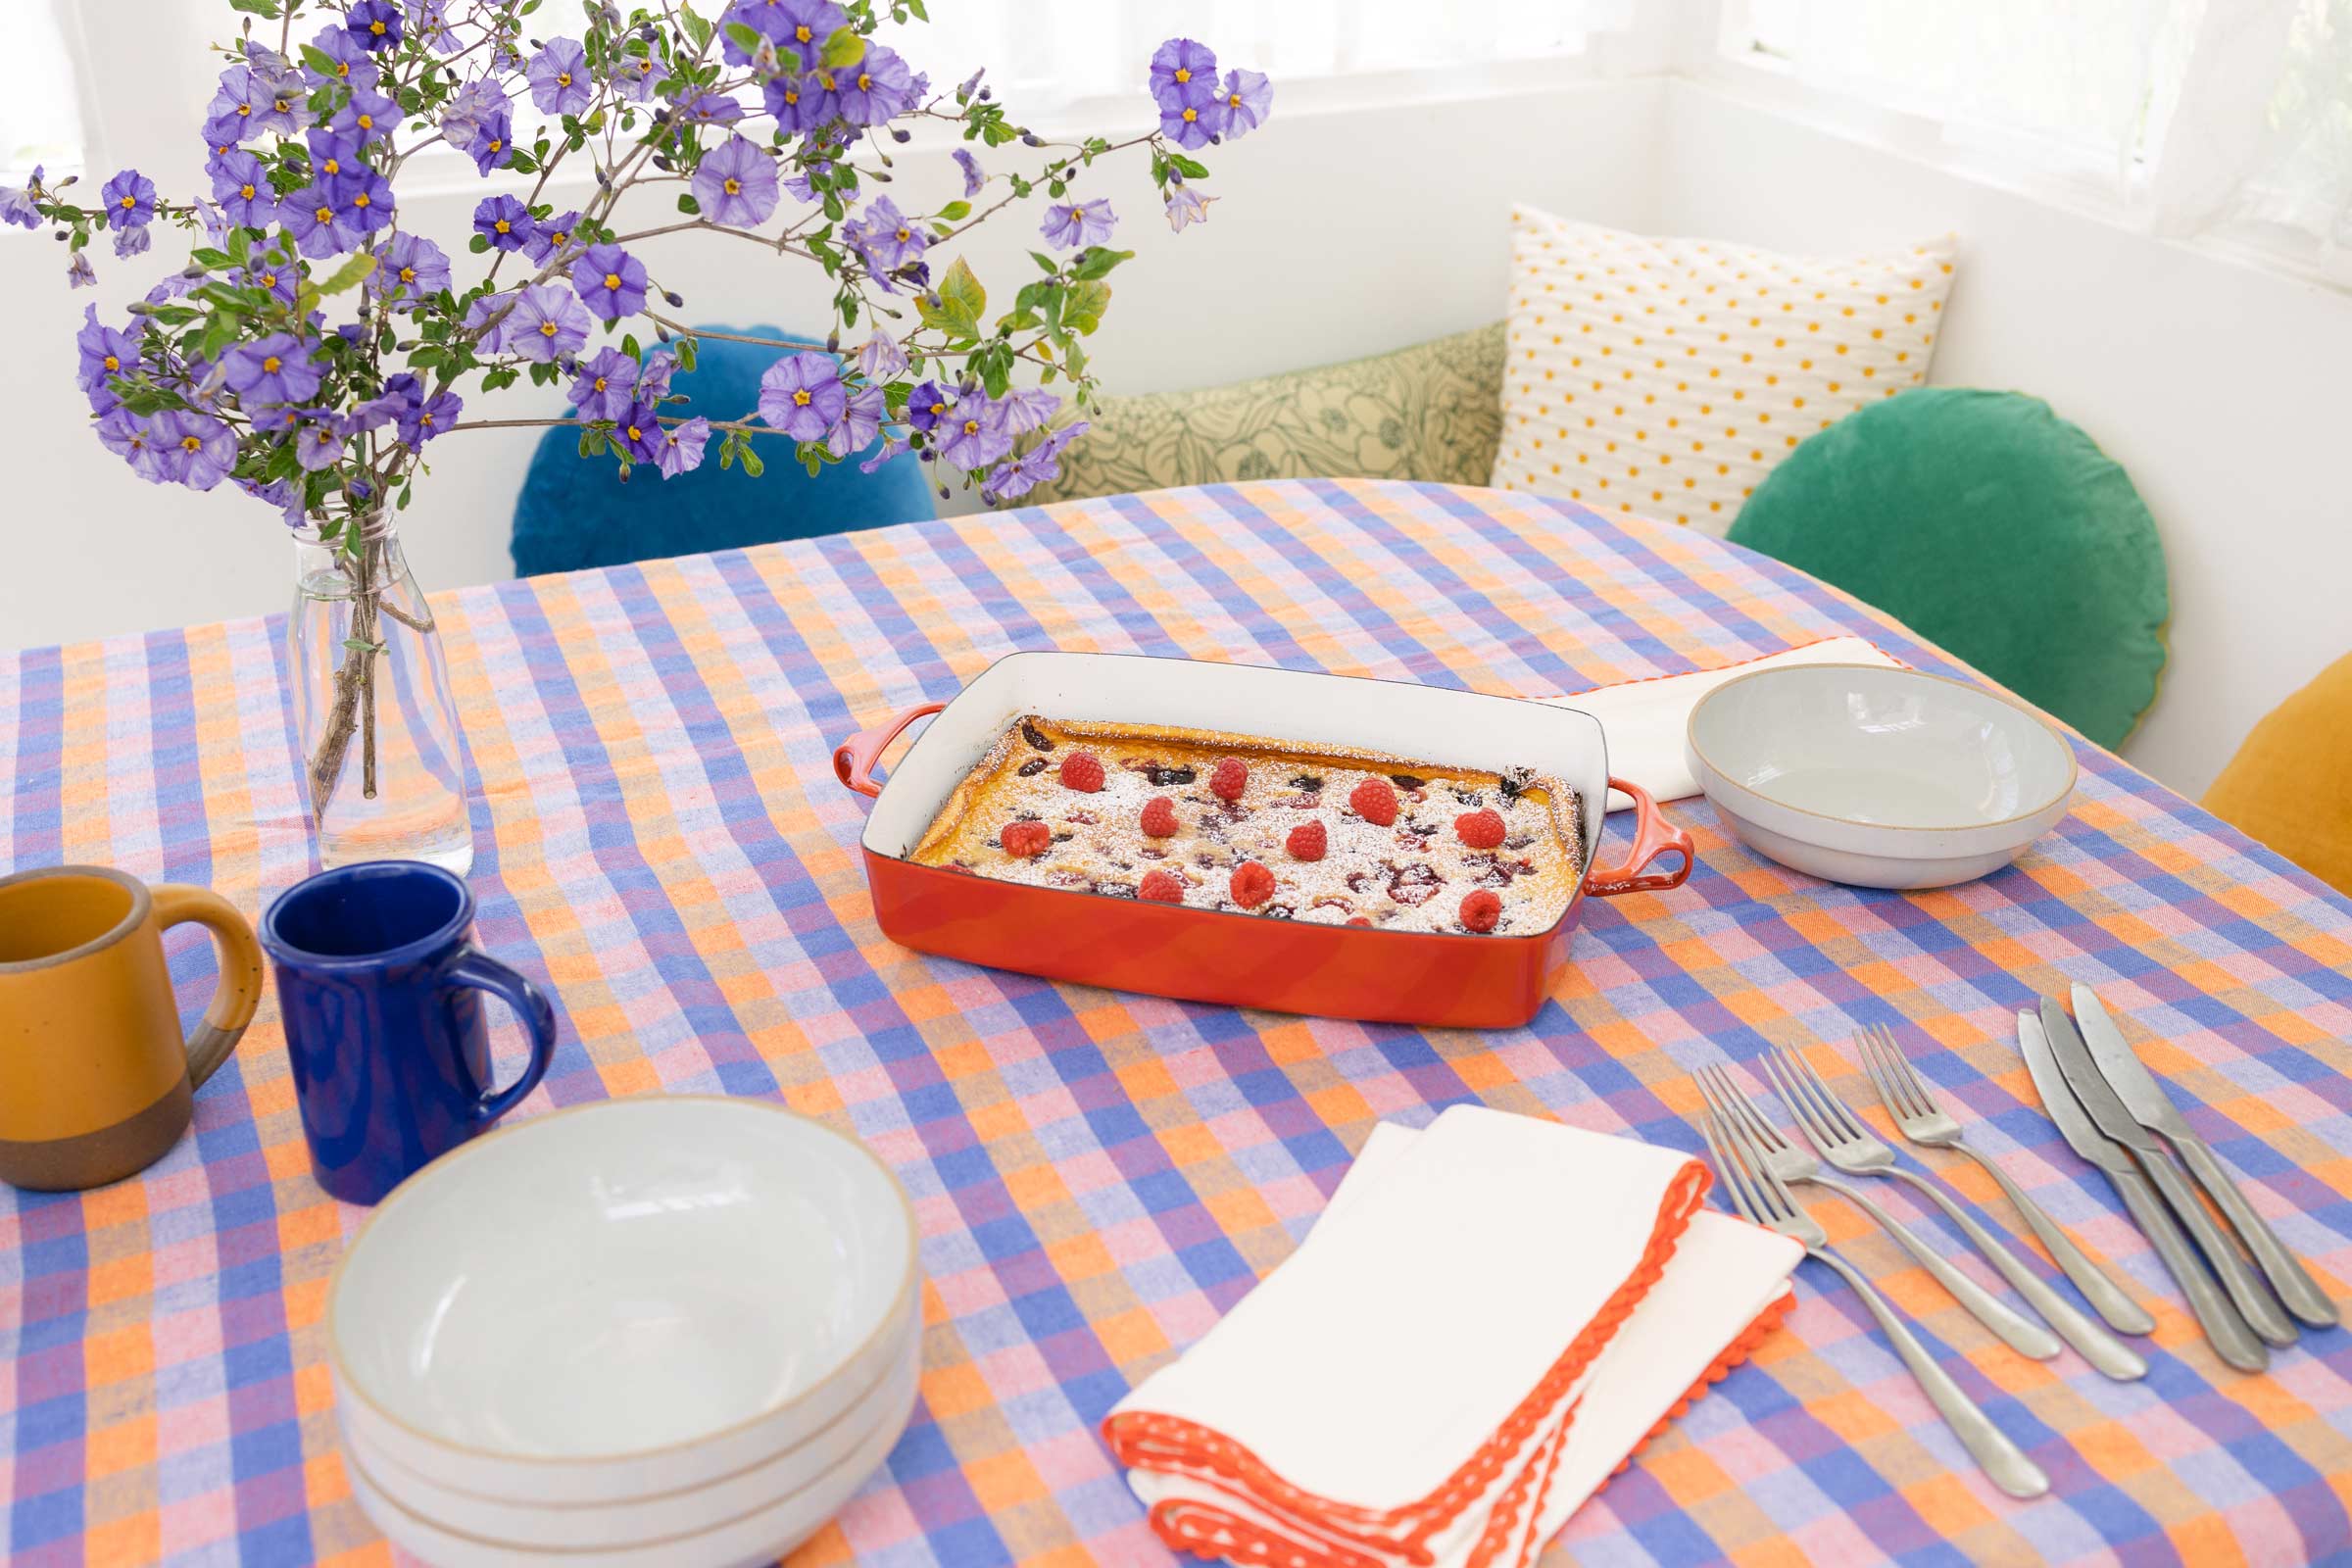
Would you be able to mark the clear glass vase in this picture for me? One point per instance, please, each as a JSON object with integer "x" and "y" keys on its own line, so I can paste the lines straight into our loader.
{"x": 383, "y": 773}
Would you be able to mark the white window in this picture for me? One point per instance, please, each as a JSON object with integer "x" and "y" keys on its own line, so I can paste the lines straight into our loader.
{"x": 40, "y": 115}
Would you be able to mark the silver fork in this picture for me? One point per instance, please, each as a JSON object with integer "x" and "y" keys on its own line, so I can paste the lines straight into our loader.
{"x": 1789, "y": 1163}
{"x": 1923, "y": 1121}
{"x": 1759, "y": 1196}
{"x": 1849, "y": 1146}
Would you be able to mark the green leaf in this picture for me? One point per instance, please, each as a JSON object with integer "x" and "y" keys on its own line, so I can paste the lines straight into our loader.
{"x": 695, "y": 27}
{"x": 1189, "y": 168}
{"x": 1100, "y": 260}
{"x": 1083, "y": 306}
{"x": 962, "y": 299}
{"x": 266, "y": 9}
{"x": 319, "y": 60}
{"x": 686, "y": 354}
{"x": 753, "y": 465}
{"x": 689, "y": 206}
{"x": 845, "y": 48}
{"x": 956, "y": 211}
{"x": 349, "y": 276}
{"x": 240, "y": 245}
{"x": 746, "y": 38}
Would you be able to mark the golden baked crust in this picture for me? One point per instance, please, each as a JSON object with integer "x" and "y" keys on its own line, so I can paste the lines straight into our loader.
{"x": 1411, "y": 875}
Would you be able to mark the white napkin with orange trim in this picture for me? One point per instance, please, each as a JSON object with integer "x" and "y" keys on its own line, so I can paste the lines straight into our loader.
{"x": 1644, "y": 721}
{"x": 1491, "y": 1315}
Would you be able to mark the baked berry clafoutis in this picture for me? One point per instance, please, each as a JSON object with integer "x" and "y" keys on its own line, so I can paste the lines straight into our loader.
{"x": 1267, "y": 828}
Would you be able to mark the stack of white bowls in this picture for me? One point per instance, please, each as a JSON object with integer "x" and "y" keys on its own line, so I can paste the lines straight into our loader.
{"x": 672, "y": 1330}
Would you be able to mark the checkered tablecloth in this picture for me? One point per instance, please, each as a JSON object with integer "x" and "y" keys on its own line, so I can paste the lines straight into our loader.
{"x": 663, "y": 842}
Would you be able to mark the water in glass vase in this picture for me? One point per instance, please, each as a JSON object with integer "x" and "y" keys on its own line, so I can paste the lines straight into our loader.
{"x": 383, "y": 773}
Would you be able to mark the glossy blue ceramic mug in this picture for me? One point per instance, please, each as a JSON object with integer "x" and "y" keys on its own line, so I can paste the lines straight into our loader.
{"x": 381, "y": 991}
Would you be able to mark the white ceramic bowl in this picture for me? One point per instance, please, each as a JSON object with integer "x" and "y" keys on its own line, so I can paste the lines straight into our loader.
{"x": 758, "y": 1538}
{"x": 633, "y": 1298}
{"x": 1884, "y": 779}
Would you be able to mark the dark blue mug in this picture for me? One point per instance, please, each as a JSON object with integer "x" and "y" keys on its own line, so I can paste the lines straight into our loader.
{"x": 381, "y": 991}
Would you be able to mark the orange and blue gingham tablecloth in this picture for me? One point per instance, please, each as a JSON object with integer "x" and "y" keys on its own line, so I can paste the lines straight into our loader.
{"x": 662, "y": 842}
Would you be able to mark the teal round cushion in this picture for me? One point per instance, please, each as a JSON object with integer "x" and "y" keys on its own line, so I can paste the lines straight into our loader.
{"x": 574, "y": 511}
{"x": 1991, "y": 527}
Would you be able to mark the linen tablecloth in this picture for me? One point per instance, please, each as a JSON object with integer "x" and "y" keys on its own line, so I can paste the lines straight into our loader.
{"x": 663, "y": 842}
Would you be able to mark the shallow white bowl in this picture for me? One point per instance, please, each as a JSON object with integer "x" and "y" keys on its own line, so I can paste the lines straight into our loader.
{"x": 625, "y": 1299}
{"x": 758, "y": 1538}
{"x": 1885, "y": 778}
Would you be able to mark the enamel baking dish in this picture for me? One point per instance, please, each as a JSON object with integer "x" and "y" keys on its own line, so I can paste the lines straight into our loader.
{"x": 1203, "y": 955}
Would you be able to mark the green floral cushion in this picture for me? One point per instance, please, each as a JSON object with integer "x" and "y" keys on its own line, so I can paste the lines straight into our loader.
{"x": 1431, "y": 412}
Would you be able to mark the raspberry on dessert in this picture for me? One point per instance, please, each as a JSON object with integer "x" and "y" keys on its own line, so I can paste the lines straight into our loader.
{"x": 1359, "y": 920}
{"x": 1161, "y": 887}
{"x": 1481, "y": 830}
{"x": 1375, "y": 800}
{"x": 1025, "y": 840}
{"x": 1480, "y": 909}
{"x": 1159, "y": 818}
{"x": 1228, "y": 778}
{"x": 1082, "y": 771}
{"x": 1306, "y": 842}
{"x": 1252, "y": 884}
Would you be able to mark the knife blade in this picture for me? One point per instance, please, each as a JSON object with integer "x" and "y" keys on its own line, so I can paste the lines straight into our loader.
{"x": 2224, "y": 1327}
{"x": 2253, "y": 1299}
{"x": 2154, "y": 1110}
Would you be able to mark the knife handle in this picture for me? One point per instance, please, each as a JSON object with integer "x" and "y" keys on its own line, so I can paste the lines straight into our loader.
{"x": 2251, "y": 1297}
{"x": 2286, "y": 1272}
{"x": 2232, "y": 1339}
{"x": 2109, "y": 1298}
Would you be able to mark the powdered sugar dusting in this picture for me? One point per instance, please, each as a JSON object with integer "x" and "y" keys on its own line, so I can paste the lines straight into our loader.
{"x": 1411, "y": 876}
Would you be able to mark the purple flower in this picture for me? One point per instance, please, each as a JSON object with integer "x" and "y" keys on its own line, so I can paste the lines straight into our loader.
{"x": 1192, "y": 124}
{"x": 375, "y": 24}
{"x": 927, "y": 405}
{"x": 488, "y": 317}
{"x": 886, "y": 239}
{"x": 277, "y": 369}
{"x": 126, "y": 436}
{"x": 317, "y": 438}
{"x": 1032, "y": 408}
{"x": 411, "y": 268}
{"x": 860, "y": 422}
{"x": 79, "y": 272}
{"x": 197, "y": 450}
{"x": 881, "y": 360}
{"x": 611, "y": 280}
{"x": 367, "y": 115}
{"x": 735, "y": 185}
{"x": 428, "y": 23}
{"x": 427, "y": 418}
{"x": 973, "y": 178}
{"x": 1069, "y": 224}
{"x": 105, "y": 352}
{"x": 349, "y": 56}
{"x": 282, "y": 282}
{"x": 470, "y": 110}
{"x": 799, "y": 103}
{"x": 892, "y": 445}
{"x": 133, "y": 241}
{"x": 128, "y": 199}
{"x": 17, "y": 202}
{"x": 559, "y": 78}
{"x": 974, "y": 430}
{"x": 653, "y": 382}
{"x": 325, "y": 219}
{"x": 682, "y": 447}
{"x": 798, "y": 29}
{"x": 710, "y": 108}
{"x": 504, "y": 222}
{"x": 1248, "y": 98}
{"x": 801, "y": 395}
{"x": 605, "y": 386}
{"x": 550, "y": 235}
{"x": 493, "y": 144}
{"x": 1019, "y": 476}
{"x": 332, "y": 154}
{"x": 1187, "y": 205}
{"x": 638, "y": 432}
{"x": 876, "y": 88}
{"x": 279, "y": 493}
{"x": 229, "y": 116}
{"x": 241, "y": 185}
{"x": 638, "y": 77}
{"x": 548, "y": 322}
{"x": 1183, "y": 73}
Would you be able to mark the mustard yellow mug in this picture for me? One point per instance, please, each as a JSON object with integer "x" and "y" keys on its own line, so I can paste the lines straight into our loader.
{"x": 95, "y": 1079}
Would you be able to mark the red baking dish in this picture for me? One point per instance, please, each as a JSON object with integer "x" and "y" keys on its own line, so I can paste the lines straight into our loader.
{"x": 1220, "y": 955}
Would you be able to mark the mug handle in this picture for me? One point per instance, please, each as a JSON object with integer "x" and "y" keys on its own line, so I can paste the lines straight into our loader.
{"x": 481, "y": 973}
{"x": 240, "y": 990}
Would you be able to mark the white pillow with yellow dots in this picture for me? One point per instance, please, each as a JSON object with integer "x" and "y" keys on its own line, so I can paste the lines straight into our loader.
{"x": 1666, "y": 376}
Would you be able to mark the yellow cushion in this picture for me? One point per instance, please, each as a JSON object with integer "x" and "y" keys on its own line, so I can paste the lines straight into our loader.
{"x": 2290, "y": 784}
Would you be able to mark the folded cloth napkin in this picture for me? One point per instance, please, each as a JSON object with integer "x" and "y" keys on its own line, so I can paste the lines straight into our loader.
{"x": 1644, "y": 721}
{"x": 1470, "y": 1341}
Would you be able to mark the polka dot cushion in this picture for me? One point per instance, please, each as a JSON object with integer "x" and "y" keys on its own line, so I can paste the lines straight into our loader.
{"x": 1666, "y": 376}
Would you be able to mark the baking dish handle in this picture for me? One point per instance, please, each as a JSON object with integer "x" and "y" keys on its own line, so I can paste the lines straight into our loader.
{"x": 1653, "y": 836}
{"x": 854, "y": 760}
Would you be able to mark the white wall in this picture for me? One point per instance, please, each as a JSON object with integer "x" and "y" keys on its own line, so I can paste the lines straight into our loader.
{"x": 1335, "y": 234}
{"x": 2223, "y": 388}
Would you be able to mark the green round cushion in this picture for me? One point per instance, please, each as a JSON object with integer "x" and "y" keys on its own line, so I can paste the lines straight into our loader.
{"x": 1993, "y": 528}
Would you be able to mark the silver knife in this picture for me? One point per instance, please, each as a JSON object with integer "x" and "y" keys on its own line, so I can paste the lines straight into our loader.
{"x": 2247, "y": 1293}
{"x": 2232, "y": 1339}
{"x": 2153, "y": 1109}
